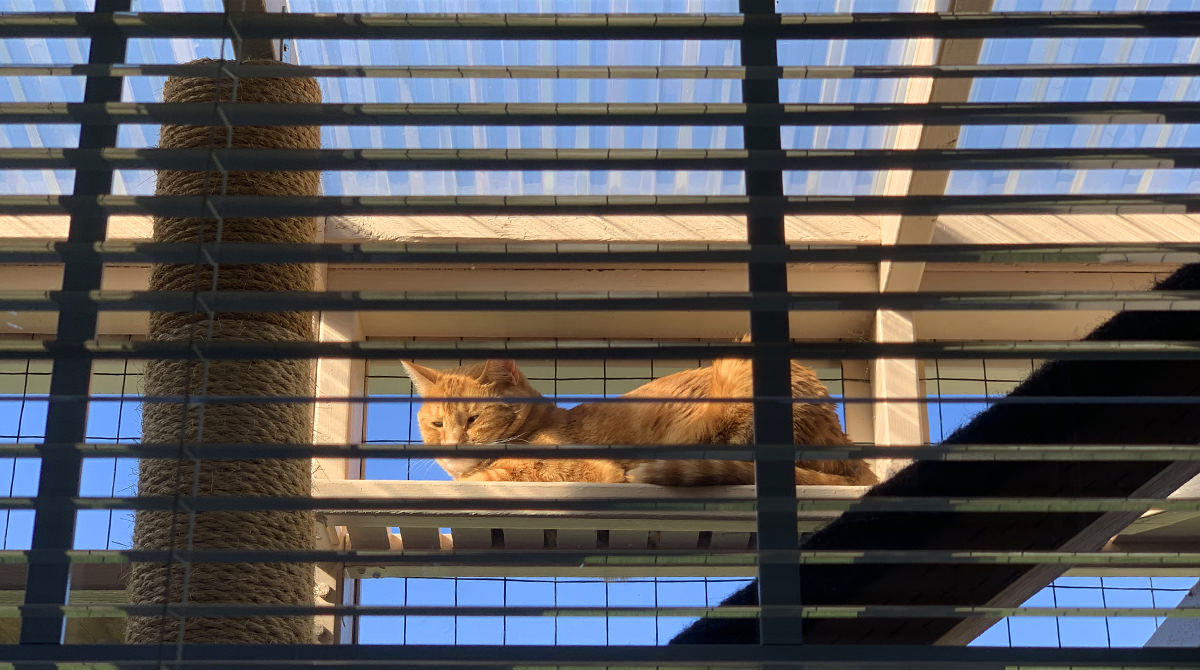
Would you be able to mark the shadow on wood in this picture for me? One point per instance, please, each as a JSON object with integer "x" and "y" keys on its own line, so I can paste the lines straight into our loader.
{"x": 1049, "y": 423}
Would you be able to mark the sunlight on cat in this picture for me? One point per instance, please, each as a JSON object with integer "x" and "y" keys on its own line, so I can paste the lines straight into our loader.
{"x": 490, "y": 404}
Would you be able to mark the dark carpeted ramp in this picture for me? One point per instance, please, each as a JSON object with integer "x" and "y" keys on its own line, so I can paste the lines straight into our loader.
{"x": 1123, "y": 423}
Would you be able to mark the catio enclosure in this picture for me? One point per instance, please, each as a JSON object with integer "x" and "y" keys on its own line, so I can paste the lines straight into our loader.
{"x": 208, "y": 448}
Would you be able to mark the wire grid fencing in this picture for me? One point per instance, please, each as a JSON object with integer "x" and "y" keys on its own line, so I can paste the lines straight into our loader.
{"x": 766, "y": 196}
{"x": 967, "y": 385}
{"x": 392, "y": 423}
{"x": 970, "y": 384}
{"x": 114, "y": 418}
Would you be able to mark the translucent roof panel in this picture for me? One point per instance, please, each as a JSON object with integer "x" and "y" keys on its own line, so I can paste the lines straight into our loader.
{"x": 32, "y": 51}
{"x": 1093, "y": 5}
{"x": 1082, "y": 89}
{"x": 725, "y": 88}
{"x": 857, "y": 6}
{"x": 519, "y": 6}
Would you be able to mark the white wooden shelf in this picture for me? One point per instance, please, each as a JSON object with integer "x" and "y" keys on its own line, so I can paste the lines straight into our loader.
{"x": 657, "y": 536}
{"x": 515, "y": 527}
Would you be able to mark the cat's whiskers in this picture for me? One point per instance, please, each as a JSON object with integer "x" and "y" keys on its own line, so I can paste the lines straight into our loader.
{"x": 508, "y": 440}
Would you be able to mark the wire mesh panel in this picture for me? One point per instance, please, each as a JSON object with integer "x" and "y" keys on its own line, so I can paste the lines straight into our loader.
{"x": 273, "y": 271}
{"x": 390, "y": 422}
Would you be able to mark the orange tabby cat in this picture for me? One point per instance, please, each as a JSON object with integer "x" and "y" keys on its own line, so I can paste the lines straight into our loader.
{"x": 487, "y": 416}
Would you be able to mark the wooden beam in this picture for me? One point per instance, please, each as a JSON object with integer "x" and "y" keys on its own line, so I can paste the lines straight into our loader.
{"x": 908, "y": 229}
{"x": 255, "y": 49}
{"x": 897, "y": 423}
{"x": 1157, "y": 530}
{"x": 91, "y": 584}
{"x": 835, "y": 229}
{"x": 1090, "y": 538}
{"x": 420, "y": 538}
{"x": 856, "y": 384}
{"x": 502, "y": 569}
{"x": 399, "y": 489}
{"x": 996, "y": 325}
{"x": 920, "y": 229}
{"x": 338, "y": 423}
{"x": 514, "y": 517}
{"x": 905, "y": 423}
{"x": 539, "y": 520}
{"x": 54, "y": 227}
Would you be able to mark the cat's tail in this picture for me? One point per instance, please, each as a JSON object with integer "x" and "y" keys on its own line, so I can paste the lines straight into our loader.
{"x": 726, "y": 473}
{"x": 691, "y": 473}
{"x": 730, "y": 379}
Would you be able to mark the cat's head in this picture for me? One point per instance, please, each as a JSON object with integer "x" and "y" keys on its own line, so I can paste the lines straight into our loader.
{"x": 484, "y": 415}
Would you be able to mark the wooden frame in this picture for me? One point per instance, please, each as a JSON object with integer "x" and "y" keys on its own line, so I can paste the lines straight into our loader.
{"x": 343, "y": 423}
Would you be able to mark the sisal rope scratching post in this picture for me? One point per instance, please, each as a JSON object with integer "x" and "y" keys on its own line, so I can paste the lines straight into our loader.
{"x": 269, "y": 583}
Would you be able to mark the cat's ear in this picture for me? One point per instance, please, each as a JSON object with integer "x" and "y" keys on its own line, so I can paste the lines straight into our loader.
{"x": 423, "y": 378}
{"x": 501, "y": 372}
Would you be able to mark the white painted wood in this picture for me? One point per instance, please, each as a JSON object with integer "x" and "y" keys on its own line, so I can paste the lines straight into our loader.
{"x": 550, "y": 519}
{"x": 1054, "y": 228}
{"x": 574, "y": 538}
{"x": 420, "y": 538}
{"x": 1159, "y": 525}
{"x": 393, "y": 489}
{"x": 912, "y": 229}
{"x": 920, "y": 229}
{"x": 896, "y": 423}
{"x": 731, "y": 541}
{"x": 574, "y": 530}
{"x": 524, "y": 538}
{"x": 856, "y": 383}
{"x": 501, "y": 568}
{"x": 906, "y": 423}
{"x": 593, "y": 325}
{"x": 950, "y": 229}
{"x": 678, "y": 539}
{"x": 338, "y": 423}
{"x": 54, "y": 226}
{"x": 367, "y": 537}
{"x": 628, "y": 539}
{"x": 625, "y": 228}
{"x": 470, "y": 538}
{"x": 694, "y": 277}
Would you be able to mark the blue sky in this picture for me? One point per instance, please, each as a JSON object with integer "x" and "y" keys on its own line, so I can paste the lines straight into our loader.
{"x": 111, "y": 421}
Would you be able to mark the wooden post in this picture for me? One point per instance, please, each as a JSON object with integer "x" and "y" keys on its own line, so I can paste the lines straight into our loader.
{"x": 856, "y": 384}
{"x": 898, "y": 423}
{"x": 339, "y": 423}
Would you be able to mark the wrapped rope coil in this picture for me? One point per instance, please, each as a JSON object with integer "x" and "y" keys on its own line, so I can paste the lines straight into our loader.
{"x": 270, "y": 583}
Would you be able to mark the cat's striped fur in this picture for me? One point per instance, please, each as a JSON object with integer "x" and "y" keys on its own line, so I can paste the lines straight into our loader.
{"x": 484, "y": 412}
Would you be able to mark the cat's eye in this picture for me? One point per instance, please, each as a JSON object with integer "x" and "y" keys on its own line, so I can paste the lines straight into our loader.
{"x": 471, "y": 419}
{"x": 437, "y": 424}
